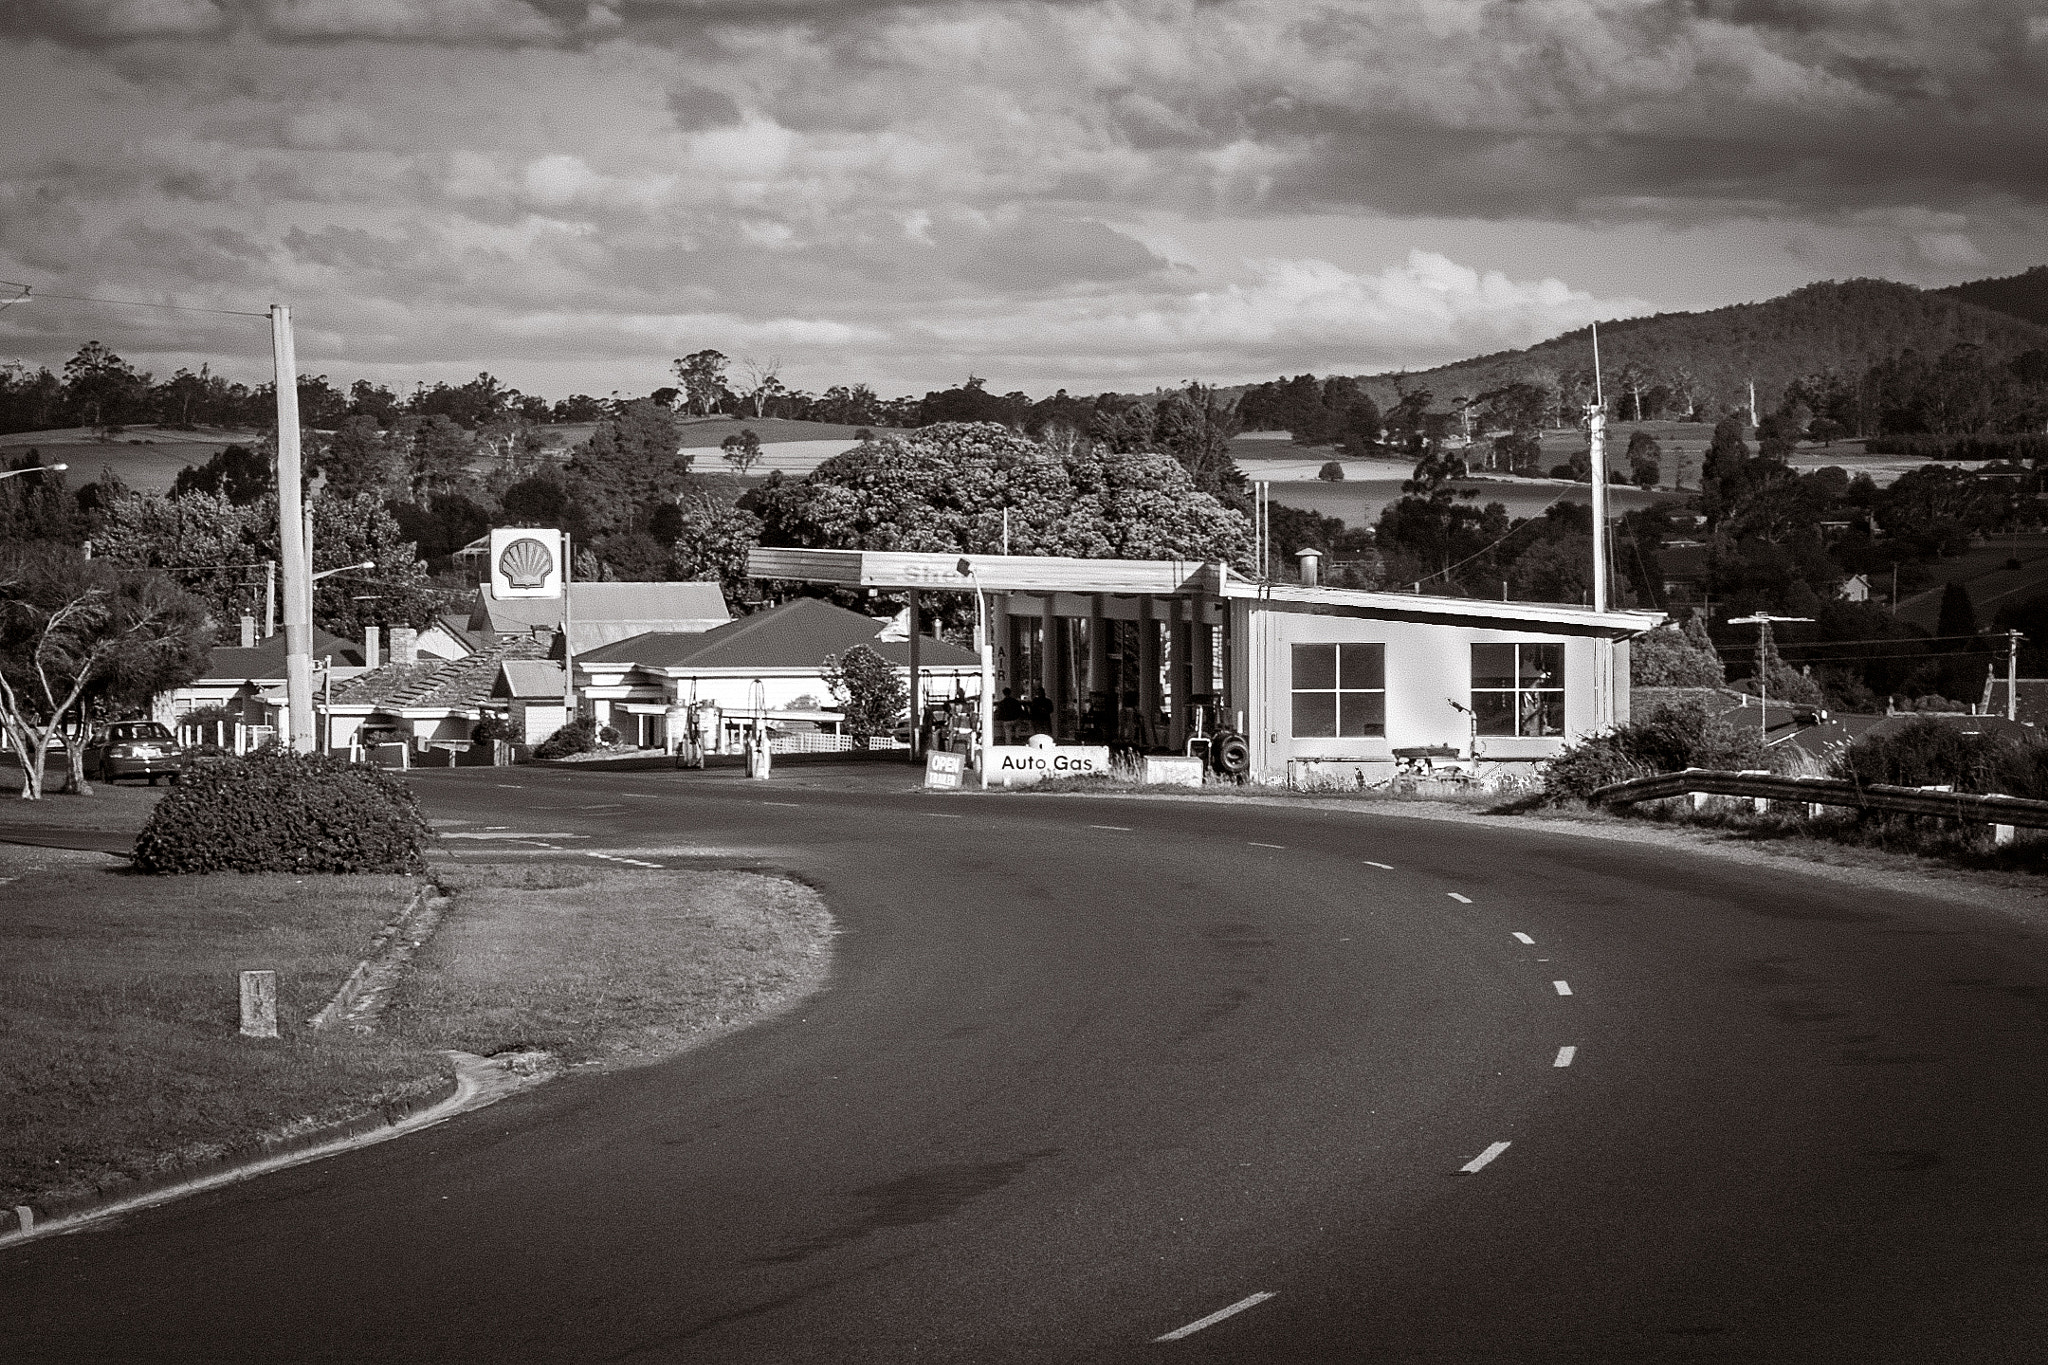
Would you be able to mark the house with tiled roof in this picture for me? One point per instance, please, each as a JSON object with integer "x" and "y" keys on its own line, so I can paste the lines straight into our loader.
{"x": 246, "y": 679}
{"x": 771, "y": 662}
{"x": 417, "y": 709}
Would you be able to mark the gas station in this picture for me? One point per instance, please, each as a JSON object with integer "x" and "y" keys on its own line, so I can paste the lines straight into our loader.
{"x": 1165, "y": 656}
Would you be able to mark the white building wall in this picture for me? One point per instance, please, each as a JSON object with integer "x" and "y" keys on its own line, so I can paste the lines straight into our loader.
{"x": 1427, "y": 667}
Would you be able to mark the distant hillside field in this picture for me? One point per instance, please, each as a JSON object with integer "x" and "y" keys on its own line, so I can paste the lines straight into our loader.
{"x": 2022, "y": 296}
{"x": 1842, "y": 327}
{"x": 146, "y": 458}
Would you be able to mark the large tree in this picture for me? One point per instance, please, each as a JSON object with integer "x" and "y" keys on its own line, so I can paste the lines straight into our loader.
{"x": 946, "y": 488}
{"x": 74, "y": 631}
{"x": 632, "y": 463}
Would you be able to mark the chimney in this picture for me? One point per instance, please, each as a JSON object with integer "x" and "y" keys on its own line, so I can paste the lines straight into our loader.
{"x": 405, "y": 645}
{"x": 248, "y": 632}
{"x": 1309, "y": 556}
{"x": 373, "y": 646}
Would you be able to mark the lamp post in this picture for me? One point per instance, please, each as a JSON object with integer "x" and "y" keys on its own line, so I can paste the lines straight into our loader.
{"x": 34, "y": 469}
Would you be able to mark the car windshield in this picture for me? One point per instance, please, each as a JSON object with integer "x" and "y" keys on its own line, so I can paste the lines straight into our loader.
{"x": 137, "y": 730}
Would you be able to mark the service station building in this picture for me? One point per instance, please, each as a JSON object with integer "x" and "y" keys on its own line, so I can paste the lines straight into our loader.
{"x": 1319, "y": 680}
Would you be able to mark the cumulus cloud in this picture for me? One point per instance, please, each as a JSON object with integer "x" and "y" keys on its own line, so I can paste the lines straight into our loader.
{"x": 915, "y": 187}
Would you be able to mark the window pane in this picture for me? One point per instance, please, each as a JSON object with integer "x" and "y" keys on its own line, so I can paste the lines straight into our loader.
{"x": 1542, "y": 665}
{"x": 1315, "y": 666}
{"x": 1542, "y": 713}
{"x": 1315, "y": 715}
{"x": 1362, "y": 666}
{"x": 1495, "y": 711}
{"x": 1493, "y": 666}
{"x": 1364, "y": 714}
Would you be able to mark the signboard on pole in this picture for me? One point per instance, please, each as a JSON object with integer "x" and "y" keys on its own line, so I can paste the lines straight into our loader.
{"x": 526, "y": 562}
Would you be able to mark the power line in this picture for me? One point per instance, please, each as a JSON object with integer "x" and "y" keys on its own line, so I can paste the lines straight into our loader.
{"x": 27, "y": 292}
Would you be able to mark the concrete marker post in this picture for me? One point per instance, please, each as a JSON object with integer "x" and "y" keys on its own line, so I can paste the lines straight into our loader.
{"x": 259, "y": 1004}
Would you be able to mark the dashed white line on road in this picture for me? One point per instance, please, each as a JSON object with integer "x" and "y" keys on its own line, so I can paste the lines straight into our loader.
{"x": 607, "y": 805}
{"x": 794, "y": 805}
{"x": 1565, "y": 1055}
{"x": 513, "y": 786}
{"x": 941, "y": 815}
{"x": 1521, "y": 937}
{"x": 1256, "y": 844}
{"x": 1563, "y": 987}
{"x": 1462, "y": 900}
{"x": 1480, "y": 1162}
{"x": 618, "y": 858}
{"x": 1121, "y": 829}
{"x": 1248, "y": 1301}
{"x": 1384, "y": 867}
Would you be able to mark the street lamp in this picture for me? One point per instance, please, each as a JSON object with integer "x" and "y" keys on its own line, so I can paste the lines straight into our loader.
{"x": 346, "y": 568}
{"x": 34, "y": 469}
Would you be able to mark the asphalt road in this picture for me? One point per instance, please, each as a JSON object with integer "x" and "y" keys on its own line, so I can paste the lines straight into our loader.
{"x": 1091, "y": 1071}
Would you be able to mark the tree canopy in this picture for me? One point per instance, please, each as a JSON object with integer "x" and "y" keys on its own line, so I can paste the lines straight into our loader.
{"x": 946, "y": 488}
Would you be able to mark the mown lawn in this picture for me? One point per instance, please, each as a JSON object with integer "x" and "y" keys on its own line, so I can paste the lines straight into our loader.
{"x": 120, "y": 1054}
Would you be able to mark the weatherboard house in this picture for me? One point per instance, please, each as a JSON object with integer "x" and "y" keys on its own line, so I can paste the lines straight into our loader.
{"x": 1325, "y": 681}
{"x": 767, "y": 667}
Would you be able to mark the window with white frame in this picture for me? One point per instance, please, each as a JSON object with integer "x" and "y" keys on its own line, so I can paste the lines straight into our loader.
{"x": 1518, "y": 689}
{"x": 1340, "y": 691}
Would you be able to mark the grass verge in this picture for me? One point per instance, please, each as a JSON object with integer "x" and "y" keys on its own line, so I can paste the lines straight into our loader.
{"x": 610, "y": 966}
{"x": 119, "y": 1011}
{"x": 119, "y": 1007}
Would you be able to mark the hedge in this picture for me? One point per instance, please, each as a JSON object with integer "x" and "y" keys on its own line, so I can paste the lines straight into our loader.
{"x": 278, "y": 811}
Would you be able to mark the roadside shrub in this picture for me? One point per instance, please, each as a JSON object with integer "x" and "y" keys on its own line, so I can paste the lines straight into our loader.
{"x": 1931, "y": 753}
{"x": 579, "y": 736}
{"x": 279, "y": 811}
{"x": 1678, "y": 735}
{"x": 491, "y": 728}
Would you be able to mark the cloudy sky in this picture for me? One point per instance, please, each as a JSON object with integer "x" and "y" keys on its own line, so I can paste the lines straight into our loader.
{"x": 1048, "y": 194}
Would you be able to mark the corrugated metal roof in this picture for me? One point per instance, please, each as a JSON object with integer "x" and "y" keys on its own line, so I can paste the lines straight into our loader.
{"x": 635, "y": 608}
{"x": 523, "y": 678}
{"x": 797, "y": 634}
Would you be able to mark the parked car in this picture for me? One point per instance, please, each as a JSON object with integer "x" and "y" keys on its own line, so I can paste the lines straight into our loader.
{"x": 133, "y": 748}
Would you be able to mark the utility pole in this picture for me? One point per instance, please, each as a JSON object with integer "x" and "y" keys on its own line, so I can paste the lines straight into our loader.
{"x": 2012, "y": 675}
{"x": 1762, "y": 621}
{"x": 1596, "y": 425}
{"x": 291, "y": 530}
{"x": 1605, "y": 684}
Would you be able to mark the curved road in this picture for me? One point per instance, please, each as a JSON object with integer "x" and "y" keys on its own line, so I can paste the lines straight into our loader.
{"x": 1090, "y": 1072}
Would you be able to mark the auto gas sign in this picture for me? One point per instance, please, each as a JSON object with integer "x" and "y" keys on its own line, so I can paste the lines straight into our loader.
{"x": 1016, "y": 764}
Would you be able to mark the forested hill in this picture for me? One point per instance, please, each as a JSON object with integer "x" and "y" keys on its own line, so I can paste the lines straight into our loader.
{"x": 1836, "y": 326}
{"x": 2023, "y": 296}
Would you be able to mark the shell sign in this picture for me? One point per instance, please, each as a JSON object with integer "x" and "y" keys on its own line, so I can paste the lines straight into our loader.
{"x": 526, "y": 562}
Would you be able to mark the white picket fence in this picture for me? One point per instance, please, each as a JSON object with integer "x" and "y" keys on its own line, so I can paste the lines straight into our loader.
{"x": 826, "y": 744}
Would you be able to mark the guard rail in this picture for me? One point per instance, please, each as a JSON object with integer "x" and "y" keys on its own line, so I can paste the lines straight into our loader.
{"x": 2009, "y": 811}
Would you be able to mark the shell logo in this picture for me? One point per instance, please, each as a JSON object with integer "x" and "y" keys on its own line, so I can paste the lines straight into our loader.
{"x": 526, "y": 563}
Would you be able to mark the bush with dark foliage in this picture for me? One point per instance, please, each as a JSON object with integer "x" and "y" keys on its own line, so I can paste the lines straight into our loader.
{"x": 579, "y": 736}
{"x": 278, "y": 811}
{"x": 1677, "y": 736}
{"x": 1933, "y": 753}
